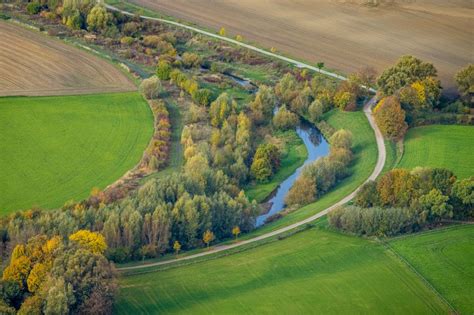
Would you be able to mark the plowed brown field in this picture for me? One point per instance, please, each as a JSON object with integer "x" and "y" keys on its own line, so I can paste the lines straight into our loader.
{"x": 34, "y": 64}
{"x": 346, "y": 36}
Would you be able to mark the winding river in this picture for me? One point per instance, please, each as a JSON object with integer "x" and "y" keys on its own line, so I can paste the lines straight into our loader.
{"x": 317, "y": 147}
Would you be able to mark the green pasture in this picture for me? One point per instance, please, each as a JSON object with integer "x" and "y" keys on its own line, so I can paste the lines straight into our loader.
{"x": 58, "y": 148}
{"x": 446, "y": 146}
{"x": 315, "y": 271}
{"x": 445, "y": 258}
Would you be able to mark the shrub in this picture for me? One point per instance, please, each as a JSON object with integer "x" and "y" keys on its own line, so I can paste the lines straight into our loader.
{"x": 127, "y": 40}
{"x": 316, "y": 111}
{"x": 33, "y": 8}
{"x": 191, "y": 60}
{"x": 131, "y": 28}
{"x": 74, "y": 20}
{"x": 285, "y": 120}
{"x": 343, "y": 99}
{"x": 151, "y": 41}
{"x": 341, "y": 139}
{"x": 303, "y": 191}
{"x": 151, "y": 87}
{"x": 163, "y": 70}
{"x": 202, "y": 97}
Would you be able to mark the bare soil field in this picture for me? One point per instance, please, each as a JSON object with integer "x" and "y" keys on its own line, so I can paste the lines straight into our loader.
{"x": 35, "y": 65}
{"x": 344, "y": 35}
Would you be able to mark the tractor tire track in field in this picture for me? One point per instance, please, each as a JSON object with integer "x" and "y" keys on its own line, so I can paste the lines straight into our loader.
{"x": 367, "y": 111}
{"x": 33, "y": 64}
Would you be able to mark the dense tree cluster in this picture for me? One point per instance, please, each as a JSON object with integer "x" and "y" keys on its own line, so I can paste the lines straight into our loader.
{"x": 265, "y": 162}
{"x": 402, "y": 201}
{"x": 405, "y": 72}
{"x": 390, "y": 118}
{"x": 415, "y": 86}
{"x": 157, "y": 153}
{"x": 59, "y": 275}
{"x": 320, "y": 176}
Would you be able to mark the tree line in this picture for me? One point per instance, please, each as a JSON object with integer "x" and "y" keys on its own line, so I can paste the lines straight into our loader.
{"x": 412, "y": 95}
{"x": 405, "y": 201}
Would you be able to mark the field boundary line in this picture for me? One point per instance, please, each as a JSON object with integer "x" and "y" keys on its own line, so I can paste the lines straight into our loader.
{"x": 418, "y": 274}
{"x": 381, "y": 157}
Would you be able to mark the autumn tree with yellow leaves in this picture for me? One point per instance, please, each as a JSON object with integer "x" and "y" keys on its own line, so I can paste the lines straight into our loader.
{"x": 59, "y": 276}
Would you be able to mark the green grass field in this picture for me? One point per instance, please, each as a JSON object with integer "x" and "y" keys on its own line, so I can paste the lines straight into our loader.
{"x": 293, "y": 158}
{"x": 315, "y": 271}
{"x": 445, "y": 258}
{"x": 58, "y": 148}
{"x": 440, "y": 146}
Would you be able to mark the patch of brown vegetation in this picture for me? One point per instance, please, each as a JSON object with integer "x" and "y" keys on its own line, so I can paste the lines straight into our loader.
{"x": 34, "y": 64}
{"x": 346, "y": 35}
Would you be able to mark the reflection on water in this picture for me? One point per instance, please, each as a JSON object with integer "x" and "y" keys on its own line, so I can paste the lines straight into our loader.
{"x": 317, "y": 147}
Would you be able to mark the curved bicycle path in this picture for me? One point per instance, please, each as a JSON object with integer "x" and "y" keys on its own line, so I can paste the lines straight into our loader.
{"x": 368, "y": 113}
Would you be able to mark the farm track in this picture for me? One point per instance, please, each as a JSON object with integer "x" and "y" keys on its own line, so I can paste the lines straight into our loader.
{"x": 367, "y": 110}
{"x": 33, "y": 64}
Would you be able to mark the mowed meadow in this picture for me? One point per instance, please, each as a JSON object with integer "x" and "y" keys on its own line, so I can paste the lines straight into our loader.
{"x": 59, "y": 148}
{"x": 444, "y": 257}
{"x": 315, "y": 271}
{"x": 440, "y": 146}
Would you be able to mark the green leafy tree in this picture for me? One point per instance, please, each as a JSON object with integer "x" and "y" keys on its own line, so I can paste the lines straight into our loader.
{"x": 58, "y": 297}
{"x": 236, "y": 231}
{"x": 436, "y": 205}
{"x": 367, "y": 196}
{"x": 208, "y": 237}
{"x": 176, "y": 247}
{"x": 262, "y": 106}
{"x": 33, "y": 7}
{"x": 98, "y": 18}
{"x": 261, "y": 169}
{"x": 343, "y": 99}
{"x": 202, "y": 96}
{"x": 163, "y": 70}
{"x": 406, "y": 71}
{"x": 465, "y": 82}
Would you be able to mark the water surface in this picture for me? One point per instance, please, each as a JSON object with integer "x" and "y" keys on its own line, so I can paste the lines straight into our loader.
{"x": 317, "y": 147}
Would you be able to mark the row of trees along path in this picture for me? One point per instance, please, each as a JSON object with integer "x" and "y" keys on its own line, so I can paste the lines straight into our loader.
{"x": 368, "y": 113}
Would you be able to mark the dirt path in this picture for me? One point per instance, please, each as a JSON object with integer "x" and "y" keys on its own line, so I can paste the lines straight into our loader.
{"x": 367, "y": 110}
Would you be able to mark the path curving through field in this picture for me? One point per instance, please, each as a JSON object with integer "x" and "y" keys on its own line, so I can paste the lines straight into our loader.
{"x": 367, "y": 111}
